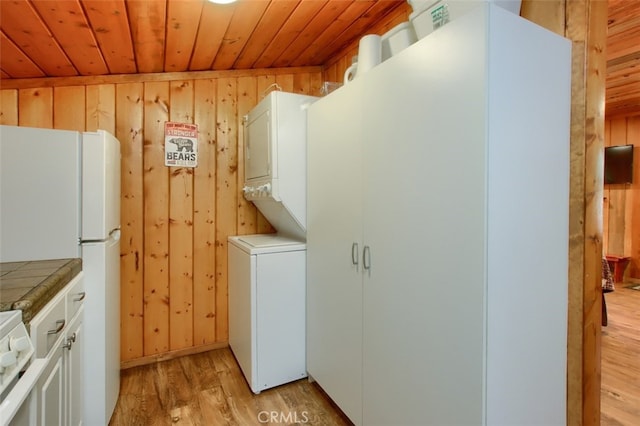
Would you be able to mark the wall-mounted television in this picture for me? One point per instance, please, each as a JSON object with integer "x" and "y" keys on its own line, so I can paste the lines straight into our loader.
{"x": 618, "y": 164}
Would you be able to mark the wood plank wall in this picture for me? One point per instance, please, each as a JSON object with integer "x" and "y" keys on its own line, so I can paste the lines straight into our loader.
{"x": 175, "y": 221}
{"x": 621, "y": 203}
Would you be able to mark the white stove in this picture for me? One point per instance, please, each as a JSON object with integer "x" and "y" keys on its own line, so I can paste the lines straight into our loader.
{"x": 15, "y": 347}
{"x": 16, "y": 351}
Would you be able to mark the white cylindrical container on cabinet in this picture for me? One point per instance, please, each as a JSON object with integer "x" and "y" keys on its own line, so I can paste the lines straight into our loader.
{"x": 396, "y": 39}
{"x": 369, "y": 55}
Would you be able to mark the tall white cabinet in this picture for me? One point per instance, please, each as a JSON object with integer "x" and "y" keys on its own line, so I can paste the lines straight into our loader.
{"x": 438, "y": 229}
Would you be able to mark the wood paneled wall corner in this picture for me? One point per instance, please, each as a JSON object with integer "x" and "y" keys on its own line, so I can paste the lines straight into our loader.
{"x": 129, "y": 118}
{"x": 175, "y": 221}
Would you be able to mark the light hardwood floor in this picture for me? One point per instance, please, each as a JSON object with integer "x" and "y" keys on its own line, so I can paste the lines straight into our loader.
{"x": 620, "y": 395}
{"x": 209, "y": 389}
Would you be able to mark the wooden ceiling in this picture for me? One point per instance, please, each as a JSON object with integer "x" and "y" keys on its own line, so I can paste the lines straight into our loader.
{"x": 623, "y": 58}
{"x": 46, "y": 38}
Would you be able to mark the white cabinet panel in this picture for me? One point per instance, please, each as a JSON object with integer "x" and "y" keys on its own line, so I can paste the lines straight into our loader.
{"x": 334, "y": 262}
{"x": 527, "y": 228}
{"x": 424, "y": 214}
{"x": 52, "y": 399}
{"x": 74, "y": 361}
{"x": 448, "y": 163}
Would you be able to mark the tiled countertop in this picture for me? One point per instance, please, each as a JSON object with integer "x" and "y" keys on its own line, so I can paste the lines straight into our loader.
{"x": 29, "y": 286}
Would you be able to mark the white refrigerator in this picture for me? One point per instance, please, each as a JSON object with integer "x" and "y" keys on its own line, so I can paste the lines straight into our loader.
{"x": 60, "y": 198}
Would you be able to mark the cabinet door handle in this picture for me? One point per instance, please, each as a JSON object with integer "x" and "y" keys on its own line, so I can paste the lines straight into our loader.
{"x": 366, "y": 258}
{"x": 80, "y": 297}
{"x": 69, "y": 343}
{"x": 60, "y": 325}
{"x": 354, "y": 254}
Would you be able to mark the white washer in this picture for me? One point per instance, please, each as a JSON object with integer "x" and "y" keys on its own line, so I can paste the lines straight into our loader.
{"x": 267, "y": 290}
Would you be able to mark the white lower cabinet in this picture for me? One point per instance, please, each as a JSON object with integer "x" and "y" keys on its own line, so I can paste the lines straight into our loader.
{"x": 56, "y": 332}
{"x": 51, "y": 396}
{"x": 74, "y": 361}
{"x": 437, "y": 230}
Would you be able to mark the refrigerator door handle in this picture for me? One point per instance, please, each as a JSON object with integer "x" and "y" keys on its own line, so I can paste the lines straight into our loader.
{"x": 115, "y": 234}
{"x": 354, "y": 254}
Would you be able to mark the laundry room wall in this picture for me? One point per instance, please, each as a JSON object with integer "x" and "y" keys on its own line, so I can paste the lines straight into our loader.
{"x": 175, "y": 221}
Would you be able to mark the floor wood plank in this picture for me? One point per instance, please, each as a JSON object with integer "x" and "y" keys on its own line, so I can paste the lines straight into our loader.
{"x": 620, "y": 394}
{"x": 209, "y": 389}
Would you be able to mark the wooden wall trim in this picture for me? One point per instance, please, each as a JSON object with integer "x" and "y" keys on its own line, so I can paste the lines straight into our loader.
{"x": 31, "y": 83}
{"x": 623, "y": 115}
{"x": 152, "y": 359}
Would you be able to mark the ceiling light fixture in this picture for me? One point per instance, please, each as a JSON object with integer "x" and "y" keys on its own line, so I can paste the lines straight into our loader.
{"x": 222, "y": 1}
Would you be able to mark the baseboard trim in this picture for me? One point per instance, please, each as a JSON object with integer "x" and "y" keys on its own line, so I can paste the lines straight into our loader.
{"x": 151, "y": 359}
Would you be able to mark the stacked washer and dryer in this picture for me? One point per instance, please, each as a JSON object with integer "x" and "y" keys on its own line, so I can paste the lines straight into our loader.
{"x": 267, "y": 272}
